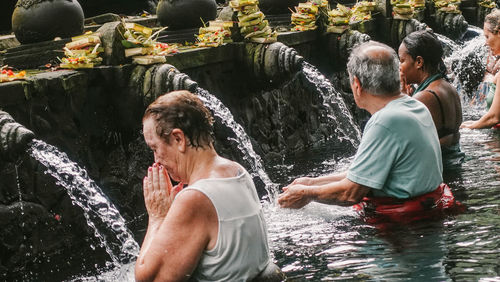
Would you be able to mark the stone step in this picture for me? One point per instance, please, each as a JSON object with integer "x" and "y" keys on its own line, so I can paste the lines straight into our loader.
{"x": 8, "y": 41}
{"x": 34, "y": 55}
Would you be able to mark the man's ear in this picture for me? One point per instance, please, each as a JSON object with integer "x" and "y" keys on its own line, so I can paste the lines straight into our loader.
{"x": 179, "y": 139}
{"x": 356, "y": 86}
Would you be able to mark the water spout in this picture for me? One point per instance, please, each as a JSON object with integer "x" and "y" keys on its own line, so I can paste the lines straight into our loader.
{"x": 337, "y": 111}
{"x": 84, "y": 192}
{"x": 467, "y": 63}
{"x": 166, "y": 78}
{"x": 280, "y": 60}
{"x": 274, "y": 62}
{"x": 14, "y": 137}
{"x": 243, "y": 141}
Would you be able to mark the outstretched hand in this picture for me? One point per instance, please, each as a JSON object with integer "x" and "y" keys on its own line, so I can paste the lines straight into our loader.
{"x": 294, "y": 196}
{"x": 467, "y": 124}
{"x": 159, "y": 193}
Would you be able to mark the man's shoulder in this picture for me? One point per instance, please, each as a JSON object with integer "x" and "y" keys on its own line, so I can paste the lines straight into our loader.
{"x": 402, "y": 114}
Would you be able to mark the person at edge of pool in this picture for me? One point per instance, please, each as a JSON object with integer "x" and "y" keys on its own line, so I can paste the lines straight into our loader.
{"x": 491, "y": 30}
{"x": 399, "y": 157}
{"x": 487, "y": 84}
{"x": 211, "y": 230}
{"x": 427, "y": 69}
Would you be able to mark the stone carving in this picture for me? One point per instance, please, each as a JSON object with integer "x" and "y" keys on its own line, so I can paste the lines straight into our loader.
{"x": 14, "y": 137}
{"x": 453, "y": 25}
{"x": 401, "y": 28}
{"x": 28, "y": 3}
{"x": 161, "y": 79}
{"x": 339, "y": 47}
{"x": 273, "y": 61}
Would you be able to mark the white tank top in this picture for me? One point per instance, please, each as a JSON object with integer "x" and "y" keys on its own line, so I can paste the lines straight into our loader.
{"x": 242, "y": 249}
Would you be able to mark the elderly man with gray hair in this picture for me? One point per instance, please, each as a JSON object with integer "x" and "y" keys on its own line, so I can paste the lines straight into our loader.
{"x": 399, "y": 157}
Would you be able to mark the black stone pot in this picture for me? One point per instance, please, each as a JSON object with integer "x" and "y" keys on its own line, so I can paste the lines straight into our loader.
{"x": 269, "y": 7}
{"x": 41, "y": 20}
{"x": 181, "y": 14}
{"x": 93, "y": 8}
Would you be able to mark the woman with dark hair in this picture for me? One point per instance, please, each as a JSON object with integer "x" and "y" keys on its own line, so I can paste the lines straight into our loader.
{"x": 421, "y": 63}
{"x": 211, "y": 230}
{"x": 492, "y": 117}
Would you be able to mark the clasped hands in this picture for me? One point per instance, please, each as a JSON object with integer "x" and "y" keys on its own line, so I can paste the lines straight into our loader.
{"x": 159, "y": 193}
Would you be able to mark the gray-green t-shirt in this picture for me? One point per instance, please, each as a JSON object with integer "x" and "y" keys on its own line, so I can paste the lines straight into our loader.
{"x": 399, "y": 155}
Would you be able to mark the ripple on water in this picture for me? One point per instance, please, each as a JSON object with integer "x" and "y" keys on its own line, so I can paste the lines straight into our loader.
{"x": 322, "y": 242}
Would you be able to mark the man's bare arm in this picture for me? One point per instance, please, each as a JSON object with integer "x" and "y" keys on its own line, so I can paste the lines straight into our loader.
{"x": 343, "y": 192}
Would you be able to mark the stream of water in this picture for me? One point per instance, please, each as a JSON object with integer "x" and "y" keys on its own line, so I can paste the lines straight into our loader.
{"x": 338, "y": 113}
{"x": 242, "y": 140}
{"x": 113, "y": 233}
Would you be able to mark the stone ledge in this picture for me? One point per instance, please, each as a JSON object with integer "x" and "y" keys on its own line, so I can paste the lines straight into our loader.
{"x": 12, "y": 93}
{"x": 292, "y": 38}
{"x": 8, "y": 41}
{"x": 18, "y": 92}
{"x": 203, "y": 56}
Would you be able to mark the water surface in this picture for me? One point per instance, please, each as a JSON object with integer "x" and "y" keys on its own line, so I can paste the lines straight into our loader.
{"x": 321, "y": 242}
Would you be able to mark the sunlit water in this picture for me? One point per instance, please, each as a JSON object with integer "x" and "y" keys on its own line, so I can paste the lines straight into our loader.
{"x": 101, "y": 215}
{"x": 321, "y": 242}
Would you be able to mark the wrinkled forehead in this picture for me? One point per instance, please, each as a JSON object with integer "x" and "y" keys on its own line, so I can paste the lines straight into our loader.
{"x": 149, "y": 128}
{"x": 488, "y": 27}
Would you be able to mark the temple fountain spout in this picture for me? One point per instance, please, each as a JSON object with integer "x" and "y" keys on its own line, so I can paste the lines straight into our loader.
{"x": 273, "y": 62}
{"x": 14, "y": 137}
{"x": 401, "y": 28}
{"x": 164, "y": 78}
{"x": 340, "y": 47}
{"x": 281, "y": 59}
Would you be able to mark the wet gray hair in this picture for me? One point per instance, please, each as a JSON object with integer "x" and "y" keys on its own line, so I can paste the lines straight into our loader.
{"x": 493, "y": 21}
{"x": 376, "y": 65}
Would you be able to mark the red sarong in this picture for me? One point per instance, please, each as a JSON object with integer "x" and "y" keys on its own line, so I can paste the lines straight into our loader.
{"x": 406, "y": 210}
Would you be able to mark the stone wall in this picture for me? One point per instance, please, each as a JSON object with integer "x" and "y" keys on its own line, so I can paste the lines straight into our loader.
{"x": 94, "y": 116}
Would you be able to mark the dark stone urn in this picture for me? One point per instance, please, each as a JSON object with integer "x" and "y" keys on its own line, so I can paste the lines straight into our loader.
{"x": 180, "y": 14}
{"x": 273, "y": 7}
{"x": 41, "y": 20}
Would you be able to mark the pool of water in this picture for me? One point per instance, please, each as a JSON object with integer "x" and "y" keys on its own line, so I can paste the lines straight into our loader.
{"x": 321, "y": 242}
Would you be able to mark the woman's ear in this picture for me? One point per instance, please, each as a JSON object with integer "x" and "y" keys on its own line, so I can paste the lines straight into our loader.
{"x": 178, "y": 139}
{"x": 420, "y": 62}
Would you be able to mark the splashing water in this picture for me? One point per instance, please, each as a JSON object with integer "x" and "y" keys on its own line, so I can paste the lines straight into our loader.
{"x": 467, "y": 65}
{"x": 449, "y": 45}
{"x": 243, "y": 141}
{"x": 87, "y": 195}
{"x": 334, "y": 103}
